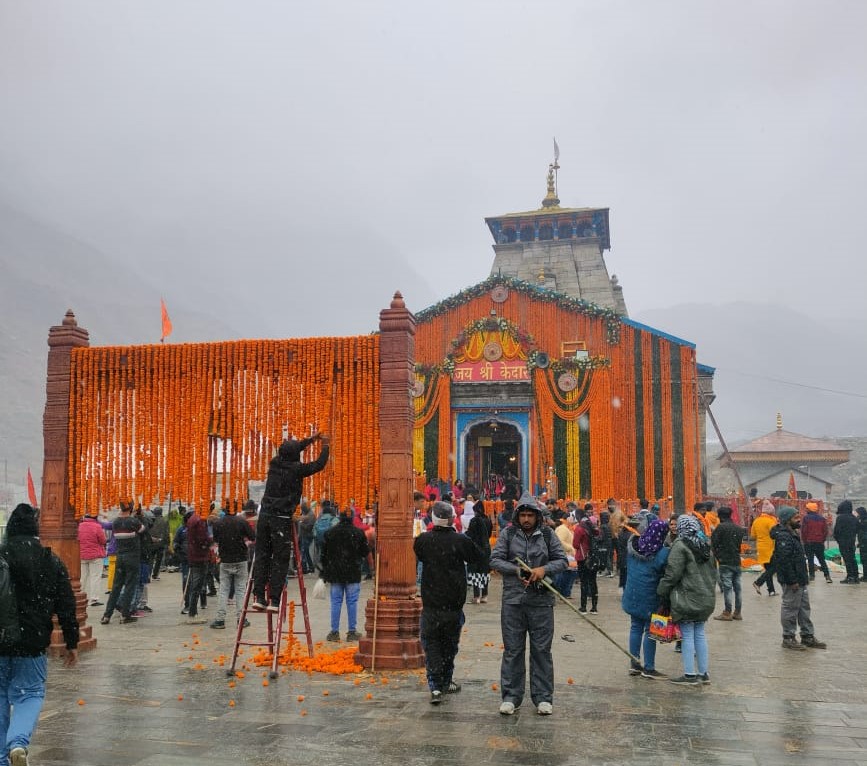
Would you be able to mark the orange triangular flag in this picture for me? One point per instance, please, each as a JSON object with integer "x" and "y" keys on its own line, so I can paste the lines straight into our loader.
{"x": 793, "y": 491}
{"x": 31, "y": 489}
{"x": 167, "y": 323}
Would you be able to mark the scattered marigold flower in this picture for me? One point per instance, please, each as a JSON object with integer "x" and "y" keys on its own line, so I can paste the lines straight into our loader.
{"x": 231, "y": 703}
{"x": 494, "y": 687}
{"x": 325, "y": 693}
{"x": 80, "y": 702}
{"x": 368, "y": 696}
{"x": 239, "y": 674}
{"x": 357, "y": 682}
{"x": 303, "y": 712}
{"x": 180, "y": 697}
{"x": 231, "y": 684}
{"x": 300, "y": 698}
{"x": 570, "y": 680}
{"x": 265, "y": 682}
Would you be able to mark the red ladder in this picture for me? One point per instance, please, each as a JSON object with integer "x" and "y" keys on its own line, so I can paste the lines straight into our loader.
{"x": 276, "y": 622}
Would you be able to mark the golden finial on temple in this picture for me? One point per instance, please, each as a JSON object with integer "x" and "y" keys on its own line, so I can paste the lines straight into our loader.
{"x": 779, "y": 421}
{"x": 551, "y": 199}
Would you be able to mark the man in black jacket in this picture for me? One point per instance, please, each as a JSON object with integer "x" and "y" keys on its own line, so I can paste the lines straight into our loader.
{"x": 274, "y": 529}
{"x": 846, "y": 533}
{"x": 790, "y": 564}
{"x": 232, "y": 534}
{"x": 128, "y": 531}
{"x": 444, "y": 554}
{"x": 42, "y": 589}
{"x": 725, "y": 541}
{"x": 343, "y": 549}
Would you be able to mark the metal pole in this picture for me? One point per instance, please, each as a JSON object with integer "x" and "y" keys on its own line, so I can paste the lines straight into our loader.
{"x": 728, "y": 455}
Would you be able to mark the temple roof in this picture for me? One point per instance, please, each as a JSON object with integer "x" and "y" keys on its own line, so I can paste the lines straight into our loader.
{"x": 781, "y": 444}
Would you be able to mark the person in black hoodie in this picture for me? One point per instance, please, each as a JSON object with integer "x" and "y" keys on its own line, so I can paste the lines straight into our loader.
{"x": 42, "y": 589}
{"x": 790, "y": 565}
{"x": 343, "y": 549}
{"x": 845, "y": 533}
{"x": 444, "y": 554}
{"x": 274, "y": 529}
{"x": 861, "y": 512}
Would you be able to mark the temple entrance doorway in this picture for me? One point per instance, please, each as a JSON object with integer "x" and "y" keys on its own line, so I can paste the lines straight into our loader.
{"x": 493, "y": 458}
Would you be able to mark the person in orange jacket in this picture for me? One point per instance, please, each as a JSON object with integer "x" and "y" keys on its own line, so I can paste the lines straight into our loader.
{"x": 760, "y": 531}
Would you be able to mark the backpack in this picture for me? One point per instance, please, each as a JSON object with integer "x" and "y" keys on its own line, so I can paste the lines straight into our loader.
{"x": 322, "y": 525}
{"x": 597, "y": 556}
{"x": 10, "y": 629}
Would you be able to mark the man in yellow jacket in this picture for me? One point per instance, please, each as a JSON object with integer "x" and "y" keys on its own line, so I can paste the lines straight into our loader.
{"x": 760, "y": 531}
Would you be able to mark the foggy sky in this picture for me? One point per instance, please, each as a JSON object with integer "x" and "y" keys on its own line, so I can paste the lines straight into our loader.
{"x": 331, "y": 153}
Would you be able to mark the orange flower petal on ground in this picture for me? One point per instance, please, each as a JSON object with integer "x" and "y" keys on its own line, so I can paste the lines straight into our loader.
{"x": 80, "y": 702}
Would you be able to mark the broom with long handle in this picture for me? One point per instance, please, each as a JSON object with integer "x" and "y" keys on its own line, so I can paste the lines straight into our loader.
{"x": 528, "y": 568}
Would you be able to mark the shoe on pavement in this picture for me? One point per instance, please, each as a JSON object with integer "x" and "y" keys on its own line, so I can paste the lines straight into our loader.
{"x": 353, "y": 635}
{"x": 757, "y": 588}
{"x": 509, "y": 708}
{"x": 685, "y": 680}
{"x": 704, "y": 678}
{"x": 218, "y": 625}
{"x": 18, "y": 756}
{"x": 829, "y": 581}
{"x": 791, "y": 643}
{"x": 594, "y": 610}
{"x": 653, "y": 674}
{"x": 454, "y": 687}
{"x": 246, "y": 623}
{"x": 812, "y": 643}
{"x": 484, "y": 599}
{"x": 131, "y": 618}
{"x": 737, "y": 616}
{"x": 145, "y": 608}
{"x": 545, "y": 708}
{"x": 724, "y": 616}
{"x": 436, "y": 696}
{"x": 333, "y": 636}
{"x": 96, "y": 603}
{"x": 772, "y": 593}
{"x": 105, "y": 620}
{"x": 196, "y": 620}
{"x": 636, "y": 671}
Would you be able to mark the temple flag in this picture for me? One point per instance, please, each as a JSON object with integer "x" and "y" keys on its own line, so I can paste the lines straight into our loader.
{"x": 556, "y": 152}
{"x": 793, "y": 491}
{"x": 31, "y": 489}
{"x": 167, "y": 323}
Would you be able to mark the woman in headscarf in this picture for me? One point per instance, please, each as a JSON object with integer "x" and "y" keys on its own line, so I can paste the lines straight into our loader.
{"x": 479, "y": 574}
{"x": 688, "y": 587}
{"x": 646, "y": 557}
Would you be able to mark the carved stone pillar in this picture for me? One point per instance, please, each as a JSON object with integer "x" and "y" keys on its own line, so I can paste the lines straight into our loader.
{"x": 58, "y": 527}
{"x": 392, "y": 623}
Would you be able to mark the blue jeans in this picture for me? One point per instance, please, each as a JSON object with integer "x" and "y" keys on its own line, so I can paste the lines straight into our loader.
{"x": 232, "y": 575}
{"x": 22, "y": 686}
{"x": 564, "y": 581}
{"x": 639, "y": 634}
{"x": 349, "y": 590}
{"x": 694, "y": 648}
{"x": 730, "y": 582}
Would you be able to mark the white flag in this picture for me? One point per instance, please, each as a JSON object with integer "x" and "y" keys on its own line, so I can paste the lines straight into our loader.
{"x": 556, "y": 151}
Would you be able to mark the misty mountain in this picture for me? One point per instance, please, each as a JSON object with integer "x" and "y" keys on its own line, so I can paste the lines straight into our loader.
{"x": 771, "y": 358}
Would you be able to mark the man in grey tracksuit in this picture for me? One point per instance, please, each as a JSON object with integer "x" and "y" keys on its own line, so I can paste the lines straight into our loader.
{"x": 528, "y": 607}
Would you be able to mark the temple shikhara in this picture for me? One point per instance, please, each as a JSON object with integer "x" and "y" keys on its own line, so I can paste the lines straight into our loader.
{"x": 535, "y": 377}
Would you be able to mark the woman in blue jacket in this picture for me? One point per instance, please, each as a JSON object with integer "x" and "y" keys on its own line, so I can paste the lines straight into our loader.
{"x": 645, "y": 562}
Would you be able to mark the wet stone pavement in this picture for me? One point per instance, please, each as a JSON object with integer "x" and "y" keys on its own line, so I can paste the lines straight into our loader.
{"x": 140, "y": 700}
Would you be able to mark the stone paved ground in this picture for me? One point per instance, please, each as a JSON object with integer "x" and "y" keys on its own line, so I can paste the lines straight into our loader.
{"x": 765, "y": 706}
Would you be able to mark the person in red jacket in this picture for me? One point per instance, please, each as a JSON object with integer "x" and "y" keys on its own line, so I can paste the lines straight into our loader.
{"x": 199, "y": 556}
{"x": 814, "y": 532}
{"x": 91, "y": 549}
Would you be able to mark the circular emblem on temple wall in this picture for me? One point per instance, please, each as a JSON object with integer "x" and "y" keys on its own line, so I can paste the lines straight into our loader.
{"x": 492, "y": 351}
{"x": 418, "y": 388}
{"x": 567, "y": 382}
{"x": 499, "y": 293}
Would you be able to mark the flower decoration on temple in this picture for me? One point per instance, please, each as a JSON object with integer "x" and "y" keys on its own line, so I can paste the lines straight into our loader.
{"x": 571, "y": 364}
{"x": 611, "y": 318}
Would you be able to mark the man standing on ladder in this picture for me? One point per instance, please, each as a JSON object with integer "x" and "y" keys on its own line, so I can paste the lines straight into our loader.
{"x": 274, "y": 530}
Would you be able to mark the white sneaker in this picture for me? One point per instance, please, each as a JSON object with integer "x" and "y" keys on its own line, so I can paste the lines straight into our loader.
{"x": 508, "y": 708}
{"x": 545, "y": 708}
{"x": 18, "y": 756}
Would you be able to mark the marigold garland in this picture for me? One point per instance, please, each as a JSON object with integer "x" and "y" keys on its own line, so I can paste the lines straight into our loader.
{"x": 197, "y": 422}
